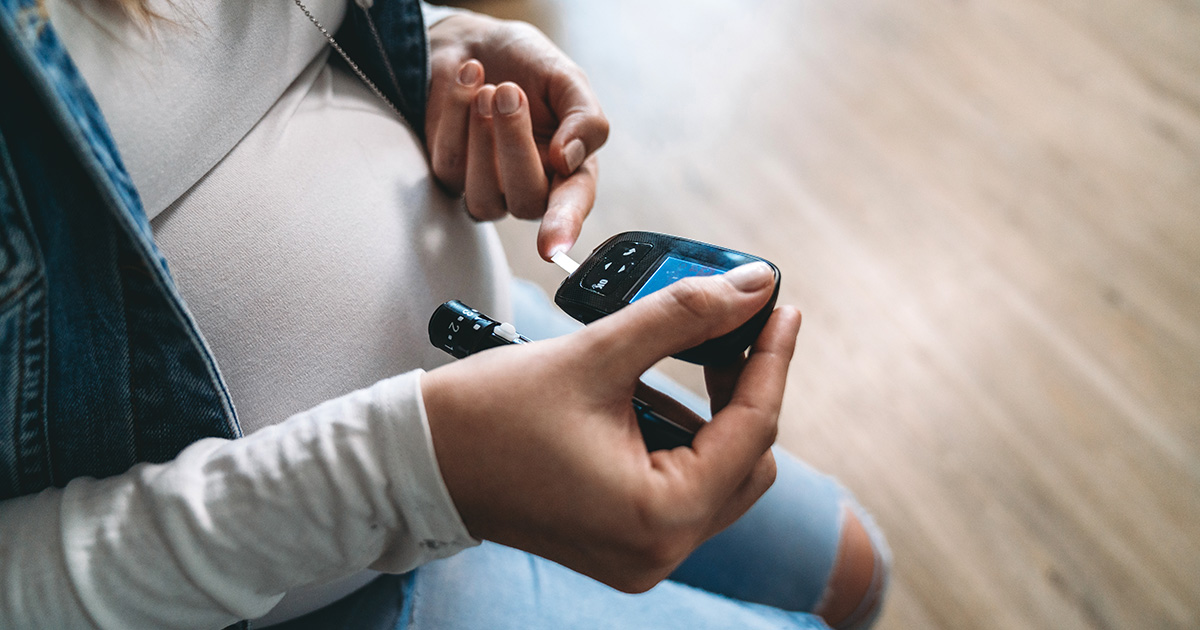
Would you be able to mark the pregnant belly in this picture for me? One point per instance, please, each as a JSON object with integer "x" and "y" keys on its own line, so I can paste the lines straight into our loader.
{"x": 314, "y": 253}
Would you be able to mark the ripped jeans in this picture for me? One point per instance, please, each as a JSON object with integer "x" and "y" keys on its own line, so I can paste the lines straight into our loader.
{"x": 770, "y": 569}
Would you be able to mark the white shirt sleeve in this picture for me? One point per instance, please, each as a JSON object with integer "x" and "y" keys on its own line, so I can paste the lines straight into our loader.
{"x": 223, "y": 530}
{"x": 432, "y": 14}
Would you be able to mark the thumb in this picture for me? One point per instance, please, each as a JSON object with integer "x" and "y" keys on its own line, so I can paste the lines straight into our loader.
{"x": 678, "y": 317}
{"x": 579, "y": 135}
{"x": 582, "y": 127}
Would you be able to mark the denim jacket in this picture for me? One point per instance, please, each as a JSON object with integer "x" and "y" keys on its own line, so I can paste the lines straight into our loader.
{"x": 101, "y": 366}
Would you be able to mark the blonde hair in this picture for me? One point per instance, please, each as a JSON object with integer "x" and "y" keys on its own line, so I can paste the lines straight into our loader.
{"x": 136, "y": 9}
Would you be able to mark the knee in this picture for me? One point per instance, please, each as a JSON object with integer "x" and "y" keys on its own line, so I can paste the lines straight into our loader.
{"x": 859, "y": 578}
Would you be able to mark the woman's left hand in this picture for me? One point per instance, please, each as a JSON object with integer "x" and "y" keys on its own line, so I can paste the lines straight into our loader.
{"x": 512, "y": 123}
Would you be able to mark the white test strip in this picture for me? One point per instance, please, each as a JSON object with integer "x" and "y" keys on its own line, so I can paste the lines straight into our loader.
{"x": 563, "y": 260}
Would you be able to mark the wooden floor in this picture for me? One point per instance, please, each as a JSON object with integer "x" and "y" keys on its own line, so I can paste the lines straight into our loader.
{"x": 989, "y": 213}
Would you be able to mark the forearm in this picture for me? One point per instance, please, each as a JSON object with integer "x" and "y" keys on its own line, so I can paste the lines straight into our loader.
{"x": 222, "y": 531}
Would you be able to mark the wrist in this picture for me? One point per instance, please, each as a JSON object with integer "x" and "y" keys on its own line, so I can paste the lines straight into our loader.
{"x": 441, "y": 407}
{"x": 435, "y": 14}
{"x": 461, "y": 34}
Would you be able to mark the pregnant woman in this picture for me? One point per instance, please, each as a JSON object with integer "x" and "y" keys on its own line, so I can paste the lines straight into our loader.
{"x": 300, "y": 199}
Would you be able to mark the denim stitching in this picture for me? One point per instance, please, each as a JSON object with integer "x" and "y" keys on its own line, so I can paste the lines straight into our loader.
{"x": 40, "y": 395}
{"x": 32, "y": 455}
{"x": 18, "y": 400}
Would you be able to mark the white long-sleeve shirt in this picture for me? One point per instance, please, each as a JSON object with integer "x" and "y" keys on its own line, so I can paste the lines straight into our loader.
{"x": 223, "y": 530}
{"x": 306, "y": 235}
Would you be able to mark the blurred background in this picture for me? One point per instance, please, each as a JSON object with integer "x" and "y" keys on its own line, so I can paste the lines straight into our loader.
{"x": 989, "y": 214}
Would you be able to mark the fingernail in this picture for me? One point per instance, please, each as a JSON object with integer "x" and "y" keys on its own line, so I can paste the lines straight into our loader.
{"x": 508, "y": 99}
{"x": 561, "y": 248}
{"x": 469, "y": 74}
{"x": 574, "y": 152}
{"x": 750, "y": 278}
{"x": 483, "y": 104}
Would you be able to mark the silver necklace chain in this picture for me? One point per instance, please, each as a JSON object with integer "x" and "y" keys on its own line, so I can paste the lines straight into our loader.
{"x": 353, "y": 66}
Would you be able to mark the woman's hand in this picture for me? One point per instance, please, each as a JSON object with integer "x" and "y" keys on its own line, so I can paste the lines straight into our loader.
{"x": 513, "y": 124}
{"x": 540, "y": 449}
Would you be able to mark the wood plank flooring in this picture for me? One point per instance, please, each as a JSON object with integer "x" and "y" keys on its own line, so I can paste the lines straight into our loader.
{"x": 989, "y": 213}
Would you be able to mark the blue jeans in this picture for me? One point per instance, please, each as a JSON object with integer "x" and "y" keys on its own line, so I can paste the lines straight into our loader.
{"x": 767, "y": 570}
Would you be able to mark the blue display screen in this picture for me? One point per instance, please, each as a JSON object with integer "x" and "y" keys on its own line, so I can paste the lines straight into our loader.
{"x": 673, "y": 270}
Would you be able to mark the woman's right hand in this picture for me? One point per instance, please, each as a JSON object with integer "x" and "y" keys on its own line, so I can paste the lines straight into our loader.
{"x": 540, "y": 450}
{"x": 513, "y": 124}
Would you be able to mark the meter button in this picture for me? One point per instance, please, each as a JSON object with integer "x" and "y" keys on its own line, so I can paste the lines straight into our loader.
{"x": 603, "y": 278}
{"x": 599, "y": 280}
{"x": 615, "y": 269}
{"x": 614, "y": 272}
{"x": 629, "y": 253}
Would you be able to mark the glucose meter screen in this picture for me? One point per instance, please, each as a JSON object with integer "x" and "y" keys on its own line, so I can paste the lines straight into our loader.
{"x": 673, "y": 270}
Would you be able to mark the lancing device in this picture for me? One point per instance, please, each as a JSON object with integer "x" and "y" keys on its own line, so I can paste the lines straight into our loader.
{"x": 462, "y": 331}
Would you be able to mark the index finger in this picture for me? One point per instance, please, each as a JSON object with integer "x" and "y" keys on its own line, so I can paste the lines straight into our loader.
{"x": 729, "y": 447}
{"x": 570, "y": 202}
